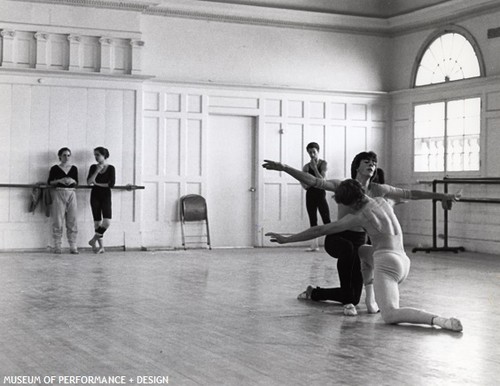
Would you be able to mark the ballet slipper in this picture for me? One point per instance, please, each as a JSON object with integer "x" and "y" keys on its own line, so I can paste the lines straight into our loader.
{"x": 92, "y": 244}
{"x": 350, "y": 310}
{"x": 452, "y": 324}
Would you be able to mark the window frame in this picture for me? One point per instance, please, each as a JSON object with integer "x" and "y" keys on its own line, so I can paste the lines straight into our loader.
{"x": 442, "y": 98}
{"x": 435, "y": 35}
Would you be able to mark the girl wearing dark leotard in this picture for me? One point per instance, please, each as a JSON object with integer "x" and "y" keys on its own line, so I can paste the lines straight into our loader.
{"x": 102, "y": 178}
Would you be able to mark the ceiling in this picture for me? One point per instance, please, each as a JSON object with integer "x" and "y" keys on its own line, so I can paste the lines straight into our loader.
{"x": 369, "y": 8}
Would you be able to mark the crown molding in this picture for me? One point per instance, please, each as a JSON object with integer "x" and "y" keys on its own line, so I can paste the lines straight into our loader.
{"x": 265, "y": 88}
{"x": 59, "y": 74}
{"x": 246, "y": 14}
{"x": 427, "y": 18}
{"x": 440, "y": 14}
{"x": 134, "y": 6}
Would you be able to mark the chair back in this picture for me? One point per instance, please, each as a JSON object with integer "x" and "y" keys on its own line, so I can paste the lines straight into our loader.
{"x": 193, "y": 208}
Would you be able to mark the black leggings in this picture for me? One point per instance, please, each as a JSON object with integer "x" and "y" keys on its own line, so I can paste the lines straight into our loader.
{"x": 316, "y": 201}
{"x": 100, "y": 202}
{"x": 344, "y": 247}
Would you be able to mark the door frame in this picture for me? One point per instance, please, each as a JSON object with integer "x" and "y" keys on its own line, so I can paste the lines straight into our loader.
{"x": 256, "y": 170}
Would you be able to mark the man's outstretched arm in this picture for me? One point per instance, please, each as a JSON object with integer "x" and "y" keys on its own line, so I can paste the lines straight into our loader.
{"x": 302, "y": 177}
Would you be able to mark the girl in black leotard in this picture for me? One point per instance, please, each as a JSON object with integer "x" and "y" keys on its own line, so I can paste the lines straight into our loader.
{"x": 102, "y": 178}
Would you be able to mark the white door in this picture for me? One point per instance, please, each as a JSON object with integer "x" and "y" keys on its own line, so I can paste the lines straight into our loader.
{"x": 230, "y": 187}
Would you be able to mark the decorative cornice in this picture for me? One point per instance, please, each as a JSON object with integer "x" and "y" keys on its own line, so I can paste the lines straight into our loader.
{"x": 8, "y": 33}
{"x": 267, "y": 88}
{"x": 42, "y": 36}
{"x": 435, "y": 16}
{"x": 74, "y": 74}
{"x": 106, "y": 41}
{"x": 135, "y": 6}
{"x": 136, "y": 43}
{"x": 426, "y": 18}
{"x": 243, "y": 14}
{"x": 74, "y": 38}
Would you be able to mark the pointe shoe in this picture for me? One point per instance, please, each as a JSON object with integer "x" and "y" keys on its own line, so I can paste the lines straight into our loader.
{"x": 100, "y": 250}
{"x": 453, "y": 324}
{"x": 350, "y": 310}
{"x": 74, "y": 251}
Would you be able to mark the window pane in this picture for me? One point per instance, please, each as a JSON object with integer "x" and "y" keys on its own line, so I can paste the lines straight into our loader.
{"x": 462, "y": 123}
{"x": 449, "y": 57}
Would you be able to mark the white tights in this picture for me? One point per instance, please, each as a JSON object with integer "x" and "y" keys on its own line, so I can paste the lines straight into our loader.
{"x": 387, "y": 269}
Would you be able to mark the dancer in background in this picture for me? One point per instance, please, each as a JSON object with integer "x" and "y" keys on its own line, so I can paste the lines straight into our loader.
{"x": 102, "y": 178}
{"x": 391, "y": 264}
{"x": 64, "y": 178}
{"x": 315, "y": 198}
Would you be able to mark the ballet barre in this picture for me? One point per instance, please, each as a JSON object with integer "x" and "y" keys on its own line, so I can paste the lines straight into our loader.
{"x": 46, "y": 186}
{"x": 447, "y": 181}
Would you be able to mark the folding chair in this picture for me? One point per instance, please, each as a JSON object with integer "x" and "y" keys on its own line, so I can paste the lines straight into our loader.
{"x": 193, "y": 207}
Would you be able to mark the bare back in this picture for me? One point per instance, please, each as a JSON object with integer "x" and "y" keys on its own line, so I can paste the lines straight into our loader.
{"x": 381, "y": 224}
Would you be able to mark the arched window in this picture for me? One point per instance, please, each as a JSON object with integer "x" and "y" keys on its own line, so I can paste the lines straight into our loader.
{"x": 447, "y": 131}
{"x": 449, "y": 55}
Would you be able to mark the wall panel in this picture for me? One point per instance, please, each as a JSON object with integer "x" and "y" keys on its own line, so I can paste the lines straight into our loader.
{"x": 5, "y": 146}
{"x": 40, "y": 119}
{"x": 194, "y": 147}
{"x": 285, "y": 123}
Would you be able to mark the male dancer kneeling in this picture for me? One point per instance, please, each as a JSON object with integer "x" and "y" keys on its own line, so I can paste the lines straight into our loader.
{"x": 390, "y": 262}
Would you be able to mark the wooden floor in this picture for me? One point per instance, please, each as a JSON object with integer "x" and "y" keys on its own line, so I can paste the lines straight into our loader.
{"x": 231, "y": 317}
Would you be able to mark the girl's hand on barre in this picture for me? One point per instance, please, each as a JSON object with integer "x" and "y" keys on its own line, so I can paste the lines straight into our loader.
{"x": 448, "y": 199}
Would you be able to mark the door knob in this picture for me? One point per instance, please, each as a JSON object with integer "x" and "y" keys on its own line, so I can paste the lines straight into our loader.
{"x": 252, "y": 190}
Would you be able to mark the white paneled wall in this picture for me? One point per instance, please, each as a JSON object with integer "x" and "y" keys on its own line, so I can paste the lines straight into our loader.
{"x": 175, "y": 151}
{"x": 471, "y": 225}
{"x": 36, "y": 121}
{"x": 172, "y": 147}
{"x": 342, "y": 125}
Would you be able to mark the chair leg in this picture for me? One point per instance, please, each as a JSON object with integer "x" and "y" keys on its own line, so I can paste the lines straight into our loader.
{"x": 183, "y": 234}
{"x": 208, "y": 235}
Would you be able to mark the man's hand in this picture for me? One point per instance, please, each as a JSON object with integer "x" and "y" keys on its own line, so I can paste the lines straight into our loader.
{"x": 273, "y": 165}
{"x": 277, "y": 238}
{"x": 449, "y": 199}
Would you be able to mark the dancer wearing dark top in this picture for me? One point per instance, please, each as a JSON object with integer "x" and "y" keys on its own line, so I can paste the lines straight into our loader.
{"x": 316, "y": 198}
{"x": 64, "y": 178}
{"x": 390, "y": 262}
{"x": 102, "y": 178}
{"x": 344, "y": 245}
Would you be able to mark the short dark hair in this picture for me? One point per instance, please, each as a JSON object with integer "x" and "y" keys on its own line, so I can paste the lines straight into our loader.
{"x": 364, "y": 155}
{"x": 379, "y": 176}
{"x": 312, "y": 145}
{"x": 103, "y": 151}
{"x": 349, "y": 192}
{"x": 62, "y": 150}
